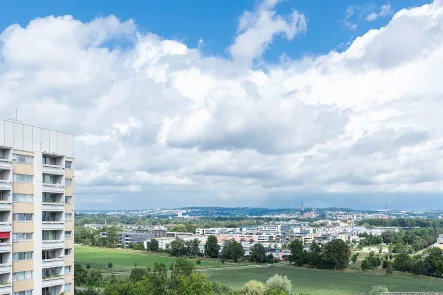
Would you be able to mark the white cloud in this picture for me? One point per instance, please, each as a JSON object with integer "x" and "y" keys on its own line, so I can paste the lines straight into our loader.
{"x": 257, "y": 29}
{"x": 159, "y": 124}
{"x": 384, "y": 10}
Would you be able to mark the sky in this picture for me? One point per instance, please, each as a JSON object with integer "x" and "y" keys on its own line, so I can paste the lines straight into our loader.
{"x": 235, "y": 103}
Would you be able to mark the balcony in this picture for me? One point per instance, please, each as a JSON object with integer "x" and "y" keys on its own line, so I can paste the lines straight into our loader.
{"x": 53, "y": 225}
{"x": 53, "y": 281}
{"x": 5, "y": 247}
{"x": 5, "y": 288}
{"x": 53, "y": 244}
{"x": 5, "y": 185}
{"x": 5, "y": 226}
{"x": 5, "y": 205}
{"x": 53, "y": 206}
{"x": 56, "y": 262}
{"x": 5, "y": 268}
{"x": 57, "y": 188}
{"x": 5, "y": 164}
{"x": 53, "y": 169}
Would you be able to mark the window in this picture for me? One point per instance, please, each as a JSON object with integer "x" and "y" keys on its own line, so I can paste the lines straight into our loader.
{"x": 22, "y": 217}
{"x": 22, "y": 159}
{"x": 51, "y": 216}
{"x": 68, "y": 164}
{"x": 4, "y": 196}
{"x": 49, "y": 235}
{"x": 17, "y": 237}
{"x": 48, "y": 161}
{"x": 68, "y": 234}
{"x": 68, "y": 252}
{"x": 51, "y": 254}
{"x": 49, "y": 179}
{"x": 67, "y": 270}
{"x": 27, "y": 292}
{"x": 68, "y": 216}
{"x": 22, "y": 178}
{"x": 22, "y": 256}
{"x": 21, "y": 276}
{"x": 67, "y": 287}
{"x": 68, "y": 182}
{"x": 68, "y": 199}
{"x": 22, "y": 198}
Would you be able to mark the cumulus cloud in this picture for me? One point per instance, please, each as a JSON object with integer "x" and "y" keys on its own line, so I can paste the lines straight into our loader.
{"x": 257, "y": 29}
{"x": 159, "y": 124}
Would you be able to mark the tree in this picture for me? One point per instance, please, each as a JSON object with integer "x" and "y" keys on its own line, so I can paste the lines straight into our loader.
{"x": 80, "y": 274}
{"x": 193, "y": 247}
{"x": 354, "y": 258}
{"x": 254, "y": 287}
{"x": 278, "y": 284}
{"x": 137, "y": 274}
{"x": 178, "y": 247}
{"x": 153, "y": 245}
{"x": 179, "y": 228}
{"x": 434, "y": 262}
{"x": 94, "y": 278}
{"x": 365, "y": 265}
{"x": 377, "y": 290}
{"x": 88, "y": 266}
{"x": 314, "y": 255}
{"x": 389, "y": 269}
{"x": 233, "y": 250}
{"x": 258, "y": 253}
{"x": 212, "y": 247}
{"x": 297, "y": 254}
{"x": 110, "y": 266}
{"x": 402, "y": 262}
{"x": 337, "y": 253}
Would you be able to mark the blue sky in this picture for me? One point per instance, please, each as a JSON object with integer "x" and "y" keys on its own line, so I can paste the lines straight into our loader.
{"x": 216, "y": 21}
{"x": 235, "y": 103}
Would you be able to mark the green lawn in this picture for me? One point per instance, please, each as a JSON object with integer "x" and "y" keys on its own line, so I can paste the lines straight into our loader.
{"x": 122, "y": 260}
{"x": 320, "y": 282}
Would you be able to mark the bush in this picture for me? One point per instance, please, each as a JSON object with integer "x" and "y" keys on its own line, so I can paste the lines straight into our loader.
{"x": 376, "y": 290}
{"x": 199, "y": 262}
{"x": 278, "y": 284}
{"x": 254, "y": 287}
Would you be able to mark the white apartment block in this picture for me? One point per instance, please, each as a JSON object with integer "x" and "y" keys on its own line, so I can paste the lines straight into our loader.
{"x": 216, "y": 231}
{"x": 36, "y": 210}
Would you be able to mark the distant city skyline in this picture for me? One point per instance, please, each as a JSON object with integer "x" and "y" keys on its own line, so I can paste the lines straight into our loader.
{"x": 258, "y": 103}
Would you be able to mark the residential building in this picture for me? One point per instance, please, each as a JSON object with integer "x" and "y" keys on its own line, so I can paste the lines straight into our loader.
{"x": 36, "y": 210}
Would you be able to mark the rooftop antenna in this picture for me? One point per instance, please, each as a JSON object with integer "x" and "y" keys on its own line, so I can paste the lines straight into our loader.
{"x": 16, "y": 116}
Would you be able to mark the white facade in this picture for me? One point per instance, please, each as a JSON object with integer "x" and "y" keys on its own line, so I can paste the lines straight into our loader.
{"x": 36, "y": 209}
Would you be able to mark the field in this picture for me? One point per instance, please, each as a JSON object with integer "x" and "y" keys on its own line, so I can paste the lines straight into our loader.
{"x": 123, "y": 260}
{"x": 315, "y": 282}
{"x": 320, "y": 282}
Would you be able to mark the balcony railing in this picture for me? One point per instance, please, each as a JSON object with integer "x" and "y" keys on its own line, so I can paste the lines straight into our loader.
{"x": 5, "y": 225}
{"x": 54, "y": 262}
{"x": 5, "y": 164}
{"x": 5, "y": 184}
{"x": 53, "y": 225}
{"x": 5, "y": 268}
{"x": 53, "y": 244}
{"x": 53, "y": 281}
{"x": 53, "y": 188}
{"x": 53, "y": 206}
{"x": 5, "y": 288}
{"x": 5, "y": 247}
{"x": 53, "y": 169}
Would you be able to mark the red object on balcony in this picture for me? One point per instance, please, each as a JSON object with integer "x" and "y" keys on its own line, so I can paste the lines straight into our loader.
{"x": 5, "y": 235}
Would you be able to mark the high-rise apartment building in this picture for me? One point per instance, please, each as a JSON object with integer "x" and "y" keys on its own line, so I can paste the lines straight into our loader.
{"x": 36, "y": 210}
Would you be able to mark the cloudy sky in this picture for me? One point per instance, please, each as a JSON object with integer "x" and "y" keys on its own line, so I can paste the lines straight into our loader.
{"x": 255, "y": 104}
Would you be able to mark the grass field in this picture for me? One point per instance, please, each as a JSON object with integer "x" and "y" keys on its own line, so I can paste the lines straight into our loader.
{"x": 316, "y": 282}
{"x": 320, "y": 282}
{"x": 123, "y": 260}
